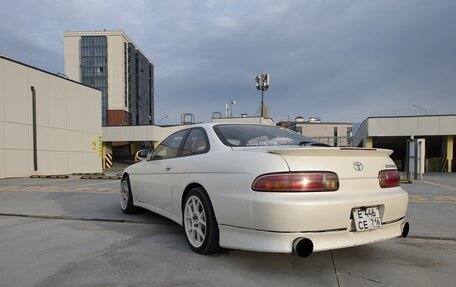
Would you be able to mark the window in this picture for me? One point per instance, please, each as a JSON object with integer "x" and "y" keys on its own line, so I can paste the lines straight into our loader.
{"x": 255, "y": 135}
{"x": 349, "y": 131}
{"x": 196, "y": 143}
{"x": 99, "y": 82}
{"x": 93, "y": 52}
{"x": 169, "y": 148}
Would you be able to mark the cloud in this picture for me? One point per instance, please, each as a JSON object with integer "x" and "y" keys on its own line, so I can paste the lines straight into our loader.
{"x": 340, "y": 60}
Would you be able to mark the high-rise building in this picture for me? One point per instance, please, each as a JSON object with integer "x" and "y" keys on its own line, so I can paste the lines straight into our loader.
{"x": 111, "y": 62}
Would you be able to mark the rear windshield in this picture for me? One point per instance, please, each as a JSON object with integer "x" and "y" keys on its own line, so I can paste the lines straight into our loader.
{"x": 258, "y": 135}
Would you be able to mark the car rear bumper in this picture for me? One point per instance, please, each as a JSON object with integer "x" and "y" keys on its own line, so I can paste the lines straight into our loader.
{"x": 268, "y": 241}
{"x": 317, "y": 212}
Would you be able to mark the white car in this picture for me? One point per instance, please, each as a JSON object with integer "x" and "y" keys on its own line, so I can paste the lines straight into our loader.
{"x": 265, "y": 188}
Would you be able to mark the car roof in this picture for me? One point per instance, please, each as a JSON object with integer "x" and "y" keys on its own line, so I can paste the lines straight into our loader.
{"x": 224, "y": 123}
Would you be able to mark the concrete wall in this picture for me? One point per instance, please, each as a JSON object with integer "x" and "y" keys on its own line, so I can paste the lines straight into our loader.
{"x": 435, "y": 125}
{"x": 323, "y": 129}
{"x": 68, "y": 123}
{"x": 72, "y": 59}
{"x": 138, "y": 133}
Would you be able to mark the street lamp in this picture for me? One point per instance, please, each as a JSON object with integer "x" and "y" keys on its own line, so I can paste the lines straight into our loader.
{"x": 425, "y": 112}
{"x": 262, "y": 84}
{"x": 231, "y": 108}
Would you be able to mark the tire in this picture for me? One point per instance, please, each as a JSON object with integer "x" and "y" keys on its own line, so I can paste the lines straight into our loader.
{"x": 200, "y": 224}
{"x": 126, "y": 197}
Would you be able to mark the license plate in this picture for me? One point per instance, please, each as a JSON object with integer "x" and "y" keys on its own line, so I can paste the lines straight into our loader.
{"x": 367, "y": 218}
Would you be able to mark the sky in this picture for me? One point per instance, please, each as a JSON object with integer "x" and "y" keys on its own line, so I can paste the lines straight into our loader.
{"x": 339, "y": 60}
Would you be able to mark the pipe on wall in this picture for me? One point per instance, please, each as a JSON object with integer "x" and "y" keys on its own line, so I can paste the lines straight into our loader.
{"x": 35, "y": 152}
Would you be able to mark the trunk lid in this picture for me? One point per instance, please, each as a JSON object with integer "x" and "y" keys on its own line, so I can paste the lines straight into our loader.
{"x": 347, "y": 163}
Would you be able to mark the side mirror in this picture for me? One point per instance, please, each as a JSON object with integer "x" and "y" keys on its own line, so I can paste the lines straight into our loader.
{"x": 141, "y": 155}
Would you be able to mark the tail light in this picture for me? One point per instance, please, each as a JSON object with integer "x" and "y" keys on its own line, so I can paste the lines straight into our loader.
{"x": 297, "y": 182}
{"x": 389, "y": 178}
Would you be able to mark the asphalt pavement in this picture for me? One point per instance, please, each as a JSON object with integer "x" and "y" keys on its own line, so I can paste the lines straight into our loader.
{"x": 71, "y": 232}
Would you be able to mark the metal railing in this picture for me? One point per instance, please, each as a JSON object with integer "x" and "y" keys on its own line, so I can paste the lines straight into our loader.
{"x": 335, "y": 141}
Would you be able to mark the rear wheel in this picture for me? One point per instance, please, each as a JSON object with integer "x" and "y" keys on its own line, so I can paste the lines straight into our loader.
{"x": 200, "y": 225}
{"x": 126, "y": 197}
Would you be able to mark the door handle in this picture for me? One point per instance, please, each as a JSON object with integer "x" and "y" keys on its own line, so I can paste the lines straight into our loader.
{"x": 168, "y": 167}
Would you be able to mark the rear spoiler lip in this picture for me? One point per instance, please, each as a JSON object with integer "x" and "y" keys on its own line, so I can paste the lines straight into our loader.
{"x": 345, "y": 152}
{"x": 314, "y": 151}
{"x": 357, "y": 148}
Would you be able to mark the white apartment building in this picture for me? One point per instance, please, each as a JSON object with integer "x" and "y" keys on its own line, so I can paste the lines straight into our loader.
{"x": 111, "y": 62}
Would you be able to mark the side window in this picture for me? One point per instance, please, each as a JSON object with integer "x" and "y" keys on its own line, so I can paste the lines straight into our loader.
{"x": 169, "y": 148}
{"x": 196, "y": 143}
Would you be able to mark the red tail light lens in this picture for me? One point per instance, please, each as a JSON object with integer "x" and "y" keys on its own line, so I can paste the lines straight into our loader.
{"x": 297, "y": 182}
{"x": 389, "y": 178}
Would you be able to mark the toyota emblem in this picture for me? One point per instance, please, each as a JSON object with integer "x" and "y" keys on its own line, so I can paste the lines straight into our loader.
{"x": 358, "y": 166}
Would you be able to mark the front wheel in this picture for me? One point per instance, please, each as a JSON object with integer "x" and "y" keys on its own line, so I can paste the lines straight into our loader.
{"x": 126, "y": 197}
{"x": 200, "y": 224}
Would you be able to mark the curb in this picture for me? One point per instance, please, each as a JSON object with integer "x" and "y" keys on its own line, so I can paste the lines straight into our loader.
{"x": 99, "y": 177}
{"x": 89, "y": 173}
{"x": 49, "y": 176}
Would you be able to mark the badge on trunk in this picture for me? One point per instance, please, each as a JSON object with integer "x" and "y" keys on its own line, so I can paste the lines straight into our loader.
{"x": 358, "y": 166}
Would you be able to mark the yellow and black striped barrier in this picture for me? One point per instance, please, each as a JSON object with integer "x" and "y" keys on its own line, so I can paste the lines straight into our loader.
{"x": 108, "y": 160}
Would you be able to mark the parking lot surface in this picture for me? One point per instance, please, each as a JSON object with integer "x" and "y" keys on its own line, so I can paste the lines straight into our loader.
{"x": 71, "y": 232}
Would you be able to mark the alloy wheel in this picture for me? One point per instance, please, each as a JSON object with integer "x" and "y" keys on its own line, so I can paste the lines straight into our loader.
{"x": 195, "y": 221}
{"x": 124, "y": 195}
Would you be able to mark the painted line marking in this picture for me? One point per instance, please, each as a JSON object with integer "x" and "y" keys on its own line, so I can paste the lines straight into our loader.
{"x": 439, "y": 185}
{"x": 29, "y": 188}
{"x": 90, "y": 187}
{"x": 84, "y": 185}
{"x": 35, "y": 181}
{"x": 432, "y": 198}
